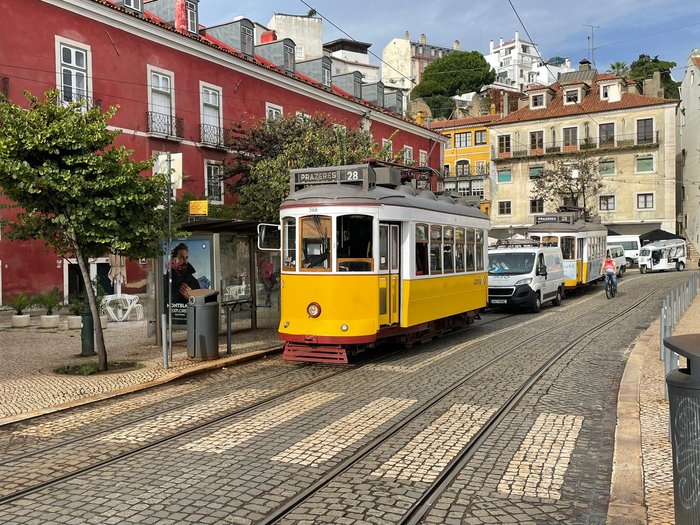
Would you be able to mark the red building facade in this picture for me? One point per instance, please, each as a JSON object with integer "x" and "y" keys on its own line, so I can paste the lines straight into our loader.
{"x": 178, "y": 88}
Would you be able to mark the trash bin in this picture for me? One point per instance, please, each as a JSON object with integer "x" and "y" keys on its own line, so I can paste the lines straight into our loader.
{"x": 684, "y": 405}
{"x": 203, "y": 325}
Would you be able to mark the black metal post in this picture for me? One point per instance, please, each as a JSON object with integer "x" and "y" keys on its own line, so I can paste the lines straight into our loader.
{"x": 87, "y": 332}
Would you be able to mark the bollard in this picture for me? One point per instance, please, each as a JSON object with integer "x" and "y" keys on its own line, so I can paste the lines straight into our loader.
{"x": 684, "y": 406}
{"x": 662, "y": 327}
{"x": 87, "y": 332}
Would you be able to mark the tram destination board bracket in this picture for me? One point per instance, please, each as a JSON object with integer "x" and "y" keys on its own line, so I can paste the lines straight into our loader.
{"x": 361, "y": 174}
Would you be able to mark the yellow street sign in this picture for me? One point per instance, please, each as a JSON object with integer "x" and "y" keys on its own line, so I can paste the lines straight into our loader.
{"x": 199, "y": 207}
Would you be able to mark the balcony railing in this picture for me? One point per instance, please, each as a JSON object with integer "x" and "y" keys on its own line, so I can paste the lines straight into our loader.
{"x": 68, "y": 97}
{"x": 162, "y": 124}
{"x": 214, "y": 136}
{"x": 587, "y": 144}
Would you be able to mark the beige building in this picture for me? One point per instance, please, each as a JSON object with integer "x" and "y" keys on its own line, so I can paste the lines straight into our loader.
{"x": 630, "y": 135}
{"x": 688, "y": 154}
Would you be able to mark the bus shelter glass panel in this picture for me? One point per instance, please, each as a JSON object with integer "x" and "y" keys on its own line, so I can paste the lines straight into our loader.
{"x": 315, "y": 243}
{"x": 354, "y": 241}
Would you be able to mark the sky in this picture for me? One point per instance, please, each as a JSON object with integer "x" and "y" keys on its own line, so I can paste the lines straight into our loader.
{"x": 621, "y": 30}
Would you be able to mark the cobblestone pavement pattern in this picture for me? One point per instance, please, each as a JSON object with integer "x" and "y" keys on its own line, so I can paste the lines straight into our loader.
{"x": 533, "y": 477}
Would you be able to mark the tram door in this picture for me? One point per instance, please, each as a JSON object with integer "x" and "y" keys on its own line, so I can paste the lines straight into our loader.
{"x": 389, "y": 281}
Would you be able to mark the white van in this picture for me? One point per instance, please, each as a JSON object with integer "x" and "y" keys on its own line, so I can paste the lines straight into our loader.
{"x": 631, "y": 245}
{"x": 525, "y": 275}
{"x": 617, "y": 252}
{"x": 663, "y": 255}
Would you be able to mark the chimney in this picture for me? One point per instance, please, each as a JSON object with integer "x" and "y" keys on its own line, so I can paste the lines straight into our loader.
{"x": 506, "y": 104}
{"x": 455, "y": 45}
{"x": 181, "y": 16}
{"x": 407, "y": 36}
{"x": 268, "y": 36}
{"x": 490, "y": 46}
{"x": 500, "y": 42}
{"x": 584, "y": 65}
{"x": 517, "y": 36}
{"x": 423, "y": 39}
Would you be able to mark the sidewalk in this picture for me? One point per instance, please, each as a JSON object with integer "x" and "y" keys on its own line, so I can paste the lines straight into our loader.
{"x": 642, "y": 484}
{"x": 29, "y": 386}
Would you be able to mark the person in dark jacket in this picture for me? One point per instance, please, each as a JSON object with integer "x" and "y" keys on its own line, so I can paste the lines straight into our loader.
{"x": 183, "y": 274}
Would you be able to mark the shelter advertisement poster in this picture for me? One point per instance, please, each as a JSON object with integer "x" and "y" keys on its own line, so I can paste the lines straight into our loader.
{"x": 197, "y": 268}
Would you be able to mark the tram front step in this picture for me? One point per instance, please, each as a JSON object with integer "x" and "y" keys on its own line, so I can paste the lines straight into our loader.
{"x": 315, "y": 354}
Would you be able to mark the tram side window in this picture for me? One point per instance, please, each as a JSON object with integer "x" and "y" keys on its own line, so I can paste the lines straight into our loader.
{"x": 354, "y": 243}
{"x": 568, "y": 247}
{"x": 550, "y": 240}
{"x": 448, "y": 249}
{"x": 470, "y": 250}
{"x": 459, "y": 249}
{"x": 289, "y": 243}
{"x": 479, "y": 249}
{"x": 421, "y": 249}
{"x": 435, "y": 249}
{"x": 315, "y": 243}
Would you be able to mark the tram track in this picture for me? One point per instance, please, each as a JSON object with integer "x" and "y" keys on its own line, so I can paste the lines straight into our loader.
{"x": 415, "y": 513}
{"x": 341, "y": 467}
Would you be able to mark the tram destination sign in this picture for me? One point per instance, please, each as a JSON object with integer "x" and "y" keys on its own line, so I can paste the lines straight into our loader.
{"x": 331, "y": 175}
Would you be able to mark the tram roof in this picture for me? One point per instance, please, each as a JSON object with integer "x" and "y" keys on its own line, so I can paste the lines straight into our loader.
{"x": 403, "y": 196}
{"x": 577, "y": 226}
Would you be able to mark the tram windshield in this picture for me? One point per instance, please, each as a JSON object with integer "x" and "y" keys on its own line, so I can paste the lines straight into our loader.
{"x": 315, "y": 242}
{"x": 354, "y": 241}
{"x": 511, "y": 263}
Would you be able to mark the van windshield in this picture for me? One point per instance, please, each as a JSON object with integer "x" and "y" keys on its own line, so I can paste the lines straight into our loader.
{"x": 645, "y": 252}
{"x": 511, "y": 263}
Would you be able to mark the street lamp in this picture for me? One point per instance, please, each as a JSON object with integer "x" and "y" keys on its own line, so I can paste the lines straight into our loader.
{"x": 511, "y": 231}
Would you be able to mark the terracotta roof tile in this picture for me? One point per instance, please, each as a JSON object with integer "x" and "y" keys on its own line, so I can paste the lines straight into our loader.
{"x": 483, "y": 120}
{"x": 591, "y": 103}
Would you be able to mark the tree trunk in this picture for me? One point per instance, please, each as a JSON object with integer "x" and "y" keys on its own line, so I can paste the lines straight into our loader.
{"x": 90, "y": 293}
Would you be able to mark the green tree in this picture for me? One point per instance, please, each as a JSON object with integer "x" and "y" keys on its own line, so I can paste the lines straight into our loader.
{"x": 619, "y": 68}
{"x": 460, "y": 72}
{"x": 576, "y": 178}
{"x": 268, "y": 149}
{"x": 78, "y": 192}
{"x": 645, "y": 66}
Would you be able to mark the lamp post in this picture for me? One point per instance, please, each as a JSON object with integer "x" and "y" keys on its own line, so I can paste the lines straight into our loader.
{"x": 511, "y": 231}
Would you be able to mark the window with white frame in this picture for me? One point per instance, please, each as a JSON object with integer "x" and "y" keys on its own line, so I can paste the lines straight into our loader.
{"x": 571, "y": 96}
{"x": 73, "y": 72}
{"x": 606, "y": 203}
{"x": 387, "y": 149}
{"x": 326, "y": 76}
{"x": 299, "y": 52}
{"x": 503, "y": 144}
{"x": 273, "y": 111}
{"x": 212, "y": 132}
{"x": 537, "y": 140}
{"x": 480, "y": 167}
{"x": 644, "y": 163}
{"x": 303, "y": 117}
{"x": 536, "y": 170}
{"x": 462, "y": 168}
{"x": 133, "y": 4}
{"x": 645, "y": 131}
{"x": 504, "y": 175}
{"x": 191, "y": 8}
{"x": 504, "y": 208}
{"x": 407, "y": 155}
{"x": 537, "y": 101}
{"x": 645, "y": 201}
{"x": 462, "y": 140}
{"x": 246, "y": 40}
{"x": 162, "y": 104}
{"x": 422, "y": 157}
{"x": 536, "y": 206}
{"x": 215, "y": 182}
{"x": 289, "y": 58}
{"x": 604, "y": 92}
{"x": 570, "y": 137}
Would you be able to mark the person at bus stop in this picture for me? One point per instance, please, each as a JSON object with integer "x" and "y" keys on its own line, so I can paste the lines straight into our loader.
{"x": 183, "y": 277}
{"x": 609, "y": 268}
{"x": 269, "y": 279}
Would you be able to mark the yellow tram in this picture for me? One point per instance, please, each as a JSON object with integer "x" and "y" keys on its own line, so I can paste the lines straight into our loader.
{"x": 366, "y": 258}
{"x": 582, "y": 244}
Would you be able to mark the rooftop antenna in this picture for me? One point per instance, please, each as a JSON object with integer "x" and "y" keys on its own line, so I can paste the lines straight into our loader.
{"x": 591, "y": 40}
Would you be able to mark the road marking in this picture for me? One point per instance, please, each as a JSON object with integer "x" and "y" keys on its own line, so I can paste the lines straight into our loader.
{"x": 238, "y": 433}
{"x": 339, "y": 435}
{"x": 427, "y": 454}
{"x": 177, "y": 419}
{"x": 538, "y": 467}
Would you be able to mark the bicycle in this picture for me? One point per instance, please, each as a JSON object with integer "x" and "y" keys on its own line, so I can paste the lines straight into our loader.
{"x": 610, "y": 288}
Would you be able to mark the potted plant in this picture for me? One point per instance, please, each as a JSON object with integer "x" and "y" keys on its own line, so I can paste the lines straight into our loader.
{"x": 75, "y": 320}
{"x": 50, "y": 300}
{"x": 19, "y": 302}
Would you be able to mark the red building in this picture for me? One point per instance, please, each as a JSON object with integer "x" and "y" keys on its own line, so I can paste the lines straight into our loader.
{"x": 178, "y": 86}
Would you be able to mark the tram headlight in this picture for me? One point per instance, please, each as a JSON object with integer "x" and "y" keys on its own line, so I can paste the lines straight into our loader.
{"x": 314, "y": 309}
{"x": 344, "y": 327}
{"x": 524, "y": 281}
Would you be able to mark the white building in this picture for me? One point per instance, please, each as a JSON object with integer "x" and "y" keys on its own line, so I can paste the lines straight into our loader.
{"x": 306, "y": 31}
{"x": 350, "y": 55}
{"x": 688, "y": 157}
{"x": 517, "y": 63}
{"x": 404, "y": 61}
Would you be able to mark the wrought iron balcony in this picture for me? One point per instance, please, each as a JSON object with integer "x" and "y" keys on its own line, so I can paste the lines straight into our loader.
{"x": 590, "y": 144}
{"x": 69, "y": 97}
{"x": 167, "y": 125}
{"x": 214, "y": 136}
